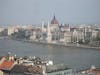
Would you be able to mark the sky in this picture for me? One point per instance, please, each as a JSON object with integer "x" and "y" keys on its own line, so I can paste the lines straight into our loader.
{"x": 37, "y": 11}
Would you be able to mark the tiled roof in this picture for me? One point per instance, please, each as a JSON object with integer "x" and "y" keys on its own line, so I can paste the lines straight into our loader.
{"x": 95, "y": 71}
{"x": 19, "y": 69}
{"x": 6, "y": 64}
{"x": 25, "y": 69}
{"x": 92, "y": 71}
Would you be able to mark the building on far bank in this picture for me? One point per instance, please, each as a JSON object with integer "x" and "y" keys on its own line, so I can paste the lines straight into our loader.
{"x": 2, "y": 29}
{"x": 12, "y": 29}
{"x": 68, "y": 37}
{"x": 53, "y": 32}
{"x": 54, "y": 26}
{"x": 95, "y": 34}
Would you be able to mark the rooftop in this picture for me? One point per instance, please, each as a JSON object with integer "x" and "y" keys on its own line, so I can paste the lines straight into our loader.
{"x": 55, "y": 68}
{"x": 25, "y": 69}
{"x": 6, "y": 64}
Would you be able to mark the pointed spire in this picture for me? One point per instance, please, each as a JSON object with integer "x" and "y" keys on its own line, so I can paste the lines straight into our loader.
{"x": 54, "y": 20}
{"x": 48, "y": 33}
{"x": 54, "y": 16}
{"x": 48, "y": 27}
{"x": 42, "y": 26}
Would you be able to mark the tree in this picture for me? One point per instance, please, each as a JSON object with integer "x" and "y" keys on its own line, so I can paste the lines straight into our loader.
{"x": 4, "y": 32}
{"x": 20, "y": 34}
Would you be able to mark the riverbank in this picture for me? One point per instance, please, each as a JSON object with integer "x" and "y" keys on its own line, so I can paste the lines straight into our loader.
{"x": 53, "y": 43}
{"x": 57, "y": 44}
{"x": 4, "y": 37}
{"x": 65, "y": 45}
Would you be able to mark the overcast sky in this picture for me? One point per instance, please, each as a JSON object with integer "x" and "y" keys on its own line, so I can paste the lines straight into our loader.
{"x": 36, "y": 11}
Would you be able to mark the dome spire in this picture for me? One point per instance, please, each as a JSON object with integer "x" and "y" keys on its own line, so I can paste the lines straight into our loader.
{"x": 54, "y": 16}
{"x": 54, "y": 20}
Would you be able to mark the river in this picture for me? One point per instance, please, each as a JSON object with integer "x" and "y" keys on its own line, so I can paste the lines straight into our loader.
{"x": 79, "y": 58}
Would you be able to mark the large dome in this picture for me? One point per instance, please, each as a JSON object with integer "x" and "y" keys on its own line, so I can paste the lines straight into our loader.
{"x": 54, "y": 21}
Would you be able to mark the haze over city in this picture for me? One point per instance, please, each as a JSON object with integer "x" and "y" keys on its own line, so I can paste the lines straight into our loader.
{"x": 36, "y": 11}
{"x": 49, "y": 37}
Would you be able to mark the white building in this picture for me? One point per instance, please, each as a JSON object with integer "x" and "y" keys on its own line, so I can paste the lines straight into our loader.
{"x": 12, "y": 29}
{"x": 54, "y": 26}
{"x": 33, "y": 37}
{"x": 68, "y": 37}
{"x": 94, "y": 34}
{"x": 1, "y": 29}
{"x": 49, "y": 35}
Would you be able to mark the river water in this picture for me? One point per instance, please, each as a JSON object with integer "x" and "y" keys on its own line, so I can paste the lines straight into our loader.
{"x": 74, "y": 57}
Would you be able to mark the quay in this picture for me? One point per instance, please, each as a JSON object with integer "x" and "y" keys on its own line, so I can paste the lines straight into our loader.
{"x": 59, "y": 44}
{"x": 52, "y": 43}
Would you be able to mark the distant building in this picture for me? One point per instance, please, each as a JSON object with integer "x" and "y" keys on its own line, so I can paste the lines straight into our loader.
{"x": 68, "y": 37}
{"x": 75, "y": 35}
{"x": 49, "y": 34}
{"x": 95, "y": 34}
{"x": 53, "y": 32}
{"x": 54, "y": 26}
{"x": 12, "y": 29}
{"x": 1, "y": 29}
{"x": 64, "y": 27}
{"x": 33, "y": 36}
